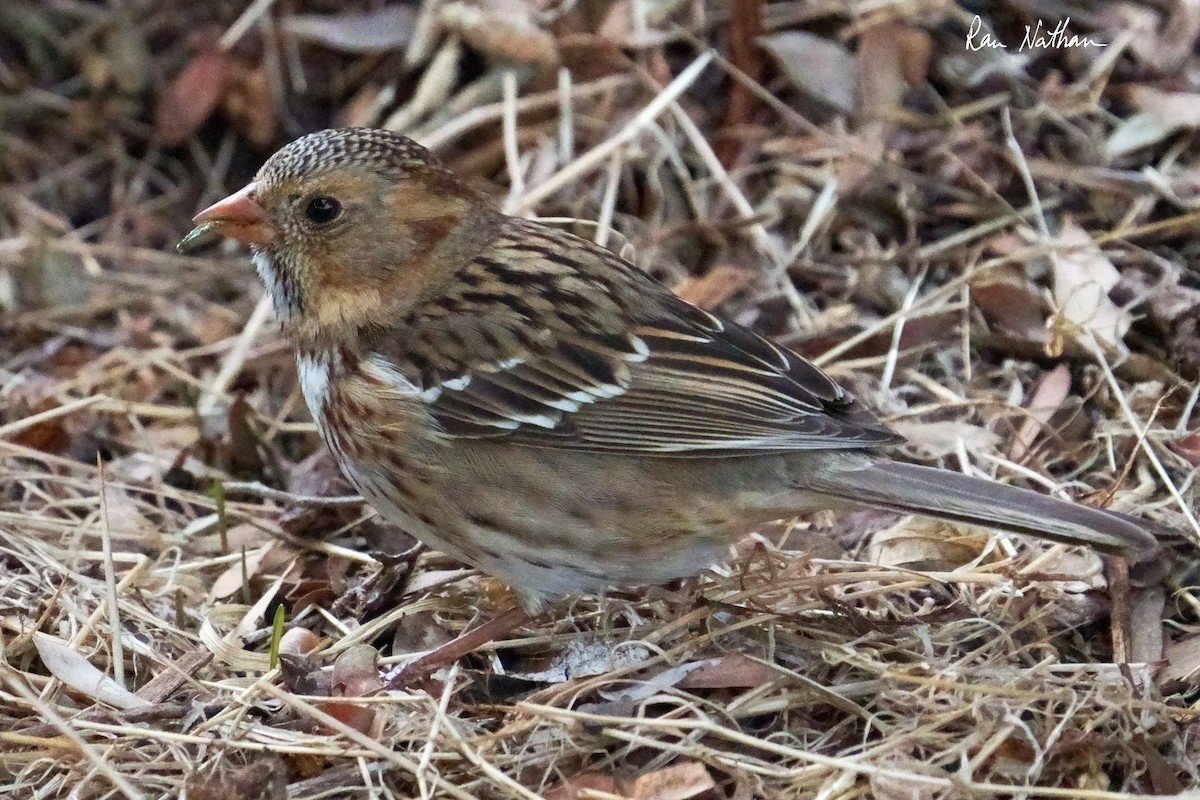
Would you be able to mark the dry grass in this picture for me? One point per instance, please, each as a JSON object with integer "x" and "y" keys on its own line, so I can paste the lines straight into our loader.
{"x": 929, "y": 248}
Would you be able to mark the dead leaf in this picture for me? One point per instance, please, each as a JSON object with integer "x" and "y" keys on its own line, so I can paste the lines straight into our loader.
{"x": 125, "y": 520}
{"x": 188, "y": 100}
{"x": 818, "y": 68}
{"x": 588, "y": 57}
{"x": 273, "y": 559}
{"x": 734, "y": 671}
{"x": 715, "y": 287}
{"x": 1137, "y": 131}
{"x": 246, "y": 448}
{"x": 638, "y": 25}
{"x": 1183, "y": 659}
{"x": 1146, "y": 626}
{"x": 571, "y": 788}
{"x": 1047, "y": 398}
{"x": 264, "y": 778}
{"x": 242, "y": 536}
{"x": 69, "y": 666}
{"x": 317, "y": 476}
{"x": 249, "y": 103}
{"x": 504, "y": 30}
{"x": 1159, "y": 43}
{"x": 938, "y": 438}
{"x": 355, "y": 674}
{"x": 918, "y": 543}
{"x": 298, "y": 641}
{"x": 146, "y": 467}
{"x": 895, "y": 785}
{"x": 891, "y": 57}
{"x": 419, "y": 632}
{"x": 1082, "y": 277}
{"x": 1187, "y": 447}
{"x": 1160, "y": 114}
{"x": 676, "y": 782}
{"x": 386, "y": 28}
{"x": 50, "y": 435}
{"x": 582, "y": 659}
{"x": 1010, "y": 302}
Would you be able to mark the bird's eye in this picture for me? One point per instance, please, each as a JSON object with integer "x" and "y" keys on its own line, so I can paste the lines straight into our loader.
{"x": 322, "y": 209}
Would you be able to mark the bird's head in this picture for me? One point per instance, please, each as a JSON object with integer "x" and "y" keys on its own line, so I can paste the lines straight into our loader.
{"x": 350, "y": 226}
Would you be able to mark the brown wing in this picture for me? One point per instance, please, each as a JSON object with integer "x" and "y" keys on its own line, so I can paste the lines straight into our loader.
{"x": 573, "y": 355}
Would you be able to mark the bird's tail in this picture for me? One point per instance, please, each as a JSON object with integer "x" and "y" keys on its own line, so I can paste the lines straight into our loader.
{"x": 942, "y": 494}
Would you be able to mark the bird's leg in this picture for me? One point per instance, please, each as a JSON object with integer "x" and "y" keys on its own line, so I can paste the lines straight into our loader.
{"x": 466, "y": 642}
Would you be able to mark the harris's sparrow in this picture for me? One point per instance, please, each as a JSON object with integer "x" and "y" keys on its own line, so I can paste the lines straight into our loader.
{"x": 536, "y": 406}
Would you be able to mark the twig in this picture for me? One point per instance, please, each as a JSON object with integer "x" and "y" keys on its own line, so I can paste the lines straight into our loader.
{"x": 278, "y": 495}
{"x": 16, "y": 426}
{"x": 594, "y": 158}
{"x": 110, "y": 581}
{"x": 512, "y": 154}
{"x": 236, "y": 357}
{"x": 243, "y": 23}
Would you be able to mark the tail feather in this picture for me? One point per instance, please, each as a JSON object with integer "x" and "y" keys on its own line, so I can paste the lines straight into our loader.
{"x": 952, "y": 496}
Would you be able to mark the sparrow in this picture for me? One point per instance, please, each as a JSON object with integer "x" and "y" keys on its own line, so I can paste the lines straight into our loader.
{"x": 532, "y": 404}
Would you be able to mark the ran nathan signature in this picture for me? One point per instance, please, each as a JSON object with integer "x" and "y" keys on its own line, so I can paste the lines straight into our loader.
{"x": 1037, "y": 37}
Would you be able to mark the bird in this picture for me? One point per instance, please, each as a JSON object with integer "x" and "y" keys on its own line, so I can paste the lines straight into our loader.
{"x": 533, "y": 404}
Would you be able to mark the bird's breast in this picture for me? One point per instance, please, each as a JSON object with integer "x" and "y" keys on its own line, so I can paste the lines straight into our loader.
{"x": 367, "y": 411}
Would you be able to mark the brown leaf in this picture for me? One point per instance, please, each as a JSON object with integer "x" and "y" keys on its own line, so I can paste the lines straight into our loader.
{"x": 1187, "y": 446}
{"x": 298, "y": 641}
{"x": 589, "y": 57}
{"x": 718, "y": 285}
{"x": 1010, "y": 302}
{"x": 263, "y": 561}
{"x": 264, "y": 778}
{"x": 245, "y": 445}
{"x": 1161, "y": 44}
{"x": 187, "y": 101}
{"x": 72, "y": 667}
{"x": 386, "y": 28}
{"x": 915, "y": 543}
{"x": 505, "y": 30}
{"x": 676, "y": 782}
{"x": 641, "y": 28}
{"x": 1083, "y": 277}
{"x": 355, "y": 674}
{"x": 584, "y": 781}
{"x": 125, "y": 519}
{"x": 1183, "y": 659}
{"x": 887, "y": 54}
{"x": 1146, "y": 626}
{"x": 1160, "y": 114}
{"x": 1047, "y": 398}
{"x": 734, "y": 671}
{"x": 250, "y": 104}
{"x": 49, "y": 436}
{"x": 317, "y": 476}
{"x": 420, "y": 631}
{"x": 816, "y": 67}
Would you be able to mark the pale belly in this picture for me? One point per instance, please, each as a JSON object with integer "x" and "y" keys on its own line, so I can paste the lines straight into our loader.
{"x": 549, "y": 522}
{"x": 569, "y": 545}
